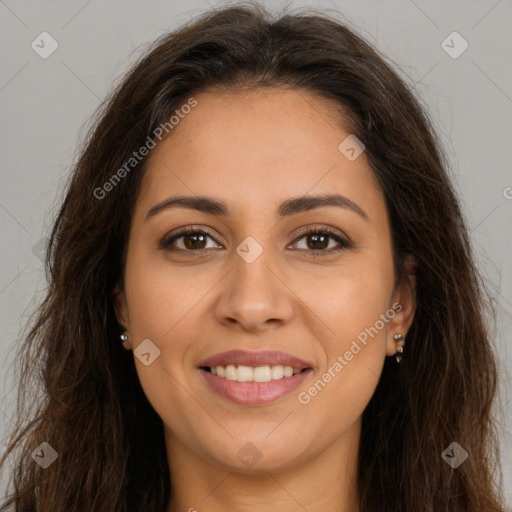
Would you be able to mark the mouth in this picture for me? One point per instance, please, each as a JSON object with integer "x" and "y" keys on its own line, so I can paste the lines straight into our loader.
{"x": 254, "y": 378}
{"x": 243, "y": 373}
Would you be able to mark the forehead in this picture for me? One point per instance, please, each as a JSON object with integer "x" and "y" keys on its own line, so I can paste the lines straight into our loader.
{"x": 257, "y": 149}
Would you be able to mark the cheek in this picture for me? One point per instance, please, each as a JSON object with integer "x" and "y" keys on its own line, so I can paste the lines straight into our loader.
{"x": 351, "y": 297}
{"x": 163, "y": 304}
{"x": 355, "y": 308}
{"x": 162, "y": 297}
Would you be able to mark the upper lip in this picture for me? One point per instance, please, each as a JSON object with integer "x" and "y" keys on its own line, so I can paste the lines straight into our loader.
{"x": 254, "y": 359}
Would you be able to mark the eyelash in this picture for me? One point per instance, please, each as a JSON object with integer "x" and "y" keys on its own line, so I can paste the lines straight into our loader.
{"x": 166, "y": 242}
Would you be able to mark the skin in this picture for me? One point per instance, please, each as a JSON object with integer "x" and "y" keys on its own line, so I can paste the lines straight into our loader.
{"x": 253, "y": 151}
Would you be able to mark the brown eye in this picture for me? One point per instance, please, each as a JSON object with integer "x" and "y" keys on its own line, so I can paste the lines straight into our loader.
{"x": 190, "y": 240}
{"x": 317, "y": 242}
{"x": 320, "y": 242}
{"x": 194, "y": 241}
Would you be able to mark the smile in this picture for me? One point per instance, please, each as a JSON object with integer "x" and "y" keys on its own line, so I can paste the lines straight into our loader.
{"x": 243, "y": 373}
{"x": 254, "y": 378}
{"x": 254, "y": 386}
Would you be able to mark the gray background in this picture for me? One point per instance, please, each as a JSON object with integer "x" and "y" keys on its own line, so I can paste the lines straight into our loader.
{"x": 45, "y": 103}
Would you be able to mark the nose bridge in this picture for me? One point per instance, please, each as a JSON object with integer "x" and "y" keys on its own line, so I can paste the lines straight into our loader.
{"x": 253, "y": 295}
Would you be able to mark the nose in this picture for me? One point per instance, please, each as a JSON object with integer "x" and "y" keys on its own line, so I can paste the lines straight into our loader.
{"x": 254, "y": 296}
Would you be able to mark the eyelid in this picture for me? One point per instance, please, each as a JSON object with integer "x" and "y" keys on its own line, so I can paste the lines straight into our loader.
{"x": 323, "y": 229}
{"x": 342, "y": 239}
{"x": 184, "y": 230}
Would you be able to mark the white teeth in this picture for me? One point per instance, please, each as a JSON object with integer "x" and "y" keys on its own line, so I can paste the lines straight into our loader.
{"x": 277, "y": 372}
{"x": 288, "y": 371}
{"x": 261, "y": 374}
{"x": 231, "y": 373}
{"x": 243, "y": 373}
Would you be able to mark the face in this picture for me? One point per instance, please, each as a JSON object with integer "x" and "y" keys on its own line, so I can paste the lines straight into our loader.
{"x": 246, "y": 275}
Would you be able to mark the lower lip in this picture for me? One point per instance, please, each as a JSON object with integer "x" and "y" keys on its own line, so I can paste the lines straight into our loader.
{"x": 254, "y": 393}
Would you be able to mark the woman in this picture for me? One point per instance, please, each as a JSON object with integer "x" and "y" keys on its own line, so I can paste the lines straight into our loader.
{"x": 261, "y": 292}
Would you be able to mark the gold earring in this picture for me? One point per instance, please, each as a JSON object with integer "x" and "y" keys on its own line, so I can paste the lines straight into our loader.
{"x": 400, "y": 342}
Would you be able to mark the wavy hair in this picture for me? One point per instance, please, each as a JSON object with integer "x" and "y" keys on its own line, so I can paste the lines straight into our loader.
{"x": 78, "y": 389}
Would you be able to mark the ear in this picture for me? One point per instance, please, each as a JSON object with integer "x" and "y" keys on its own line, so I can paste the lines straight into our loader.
{"x": 404, "y": 303}
{"x": 119, "y": 302}
{"x": 121, "y": 309}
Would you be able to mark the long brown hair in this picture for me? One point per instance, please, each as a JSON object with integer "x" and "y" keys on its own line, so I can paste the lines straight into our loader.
{"x": 87, "y": 402}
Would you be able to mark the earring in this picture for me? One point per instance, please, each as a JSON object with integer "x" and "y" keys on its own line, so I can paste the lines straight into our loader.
{"x": 124, "y": 339}
{"x": 400, "y": 342}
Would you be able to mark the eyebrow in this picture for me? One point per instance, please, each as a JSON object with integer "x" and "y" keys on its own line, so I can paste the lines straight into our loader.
{"x": 213, "y": 206}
